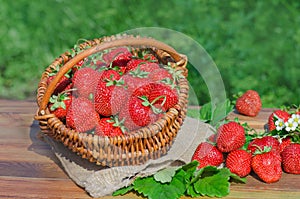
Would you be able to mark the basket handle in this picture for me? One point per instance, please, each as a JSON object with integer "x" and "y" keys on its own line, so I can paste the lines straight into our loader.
{"x": 128, "y": 41}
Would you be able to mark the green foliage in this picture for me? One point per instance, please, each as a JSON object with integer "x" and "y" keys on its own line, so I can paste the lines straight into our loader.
{"x": 255, "y": 44}
{"x": 186, "y": 180}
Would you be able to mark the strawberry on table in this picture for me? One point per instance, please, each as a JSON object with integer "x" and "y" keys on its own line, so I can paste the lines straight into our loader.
{"x": 239, "y": 162}
{"x": 261, "y": 143}
{"x": 249, "y": 103}
{"x": 207, "y": 154}
{"x": 284, "y": 143}
{"x": 267, "y": 166}
{"x": 230, "y": 136}
{"x": 277, "y": 115}
{"x": 81, "y": 115}
{"x": 291, "y": 158}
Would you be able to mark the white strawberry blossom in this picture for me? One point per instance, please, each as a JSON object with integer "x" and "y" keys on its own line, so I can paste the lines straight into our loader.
{"x": 279, "y": 124}
{"x": 296, "y": 118}
{"x": 290, "y": 125}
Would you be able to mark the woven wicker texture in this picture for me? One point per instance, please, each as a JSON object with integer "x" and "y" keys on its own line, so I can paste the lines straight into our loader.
{"x": 134, "y": 148}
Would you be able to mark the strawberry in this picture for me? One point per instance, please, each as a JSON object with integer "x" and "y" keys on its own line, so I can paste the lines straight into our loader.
{"x": 267, "y": 166}
{"x": 230, "y": 136}
{"x": 85, "y": 81}
{"x": 249, "y": 103}
{"x": 160, "y": 74}
{"x": 81, "y": 115}
{"x": 239, "y": 162}
{"x": 117, "y": 57}
{"x": 134, "y": 80}
{"x": 284, "y": 143}
{"x": 164, "y": 95}
{"x": 108, "y": 127}
{"x": 110, "y": 94}
{"x": 61, "y": 85}
{"x": 59, "y": 104}
{"x": 207, "y": 154}
{"x": 277, "y": 114}
{"x": 291, "y": 158}
{"x": 149, "y": 67}
{"x": 134, "y": 63}
{"x": 141, "y": 111}
{"x": 261, "y": 143}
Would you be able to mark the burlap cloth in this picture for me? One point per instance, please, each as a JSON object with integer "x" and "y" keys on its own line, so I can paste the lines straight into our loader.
{"x": 101, "y": 181}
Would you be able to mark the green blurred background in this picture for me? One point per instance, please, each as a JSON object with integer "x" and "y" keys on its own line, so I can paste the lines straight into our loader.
{"x": 255, "y": 44}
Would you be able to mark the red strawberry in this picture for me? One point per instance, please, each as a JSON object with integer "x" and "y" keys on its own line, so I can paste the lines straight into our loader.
{"x": 207, "y": 154}
{"x": 149, "y": 67}
{"x": 61, "y": 85}
{"x": 249, "y": 103}
{"x": 277, "y": 114}
{"x": 160, "y": 74}
{"x": 117, "y": 57}
{"x": 135, "y": 80}
{"x": 150, "y": 57}
{"x": 291, "y": 158}
{"x": 230, "y": 136}
{"x": 261, "y": 143}
{"x": 239, "y": 162}
{"x": 108, "y": 127}
{"x": 85, "y": 81}
{"x": 110, "y": 94}
{"x": 164, "y": 95}
{"x": 141, "y": 114}
{"x": 59, "y": 104}
{"x": 267, "y": 166}
{"x": 284, "y": 143}
{"x": 134, "y": 63}
{"x": 81, "y": 115}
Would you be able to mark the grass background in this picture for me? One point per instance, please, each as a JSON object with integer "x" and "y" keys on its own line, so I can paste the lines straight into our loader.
{"x": 255, "y": 44}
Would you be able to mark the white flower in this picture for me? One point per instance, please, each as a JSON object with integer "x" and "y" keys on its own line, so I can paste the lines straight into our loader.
{"x": 290, "y": 125}
{"x": 279, "y": 124}
{"x": 296, "y": 118}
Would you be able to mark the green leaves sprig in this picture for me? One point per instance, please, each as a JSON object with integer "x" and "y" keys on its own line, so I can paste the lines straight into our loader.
{"x": 174, "y": 182}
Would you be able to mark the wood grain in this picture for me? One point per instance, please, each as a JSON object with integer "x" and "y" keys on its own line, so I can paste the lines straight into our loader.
{"x": 29, "y": 169}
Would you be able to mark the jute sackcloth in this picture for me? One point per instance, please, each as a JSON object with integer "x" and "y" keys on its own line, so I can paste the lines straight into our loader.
{"x": 102, "y": 181}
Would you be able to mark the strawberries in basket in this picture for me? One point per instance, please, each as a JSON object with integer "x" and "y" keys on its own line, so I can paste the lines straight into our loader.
{"x": 115, "y": 92}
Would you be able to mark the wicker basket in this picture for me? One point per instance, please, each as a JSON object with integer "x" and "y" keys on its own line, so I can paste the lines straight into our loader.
{"x": 134, "y": 148}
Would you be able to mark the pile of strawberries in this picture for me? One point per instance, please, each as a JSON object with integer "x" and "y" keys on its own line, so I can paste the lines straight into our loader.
{"x": 114, "y": 92}
{"x": 266, "y": 155}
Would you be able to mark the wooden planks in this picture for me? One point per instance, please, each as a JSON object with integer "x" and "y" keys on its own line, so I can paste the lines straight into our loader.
{"x": 29, "y": 169}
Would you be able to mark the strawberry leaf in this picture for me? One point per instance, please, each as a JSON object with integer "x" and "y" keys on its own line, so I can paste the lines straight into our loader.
{"x": 215, "y": 114}
{"x": 123, "y": 190}
{"x": 150, "y": 188}
{"x": 212, "y": 186}
{"x": 165, "y": 175}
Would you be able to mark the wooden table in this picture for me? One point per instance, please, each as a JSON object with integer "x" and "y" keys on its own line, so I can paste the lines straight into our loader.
{"x": 29, "y": 169}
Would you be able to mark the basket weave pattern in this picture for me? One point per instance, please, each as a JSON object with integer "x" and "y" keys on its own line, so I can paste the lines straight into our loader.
{"x": 136, "y": 147}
